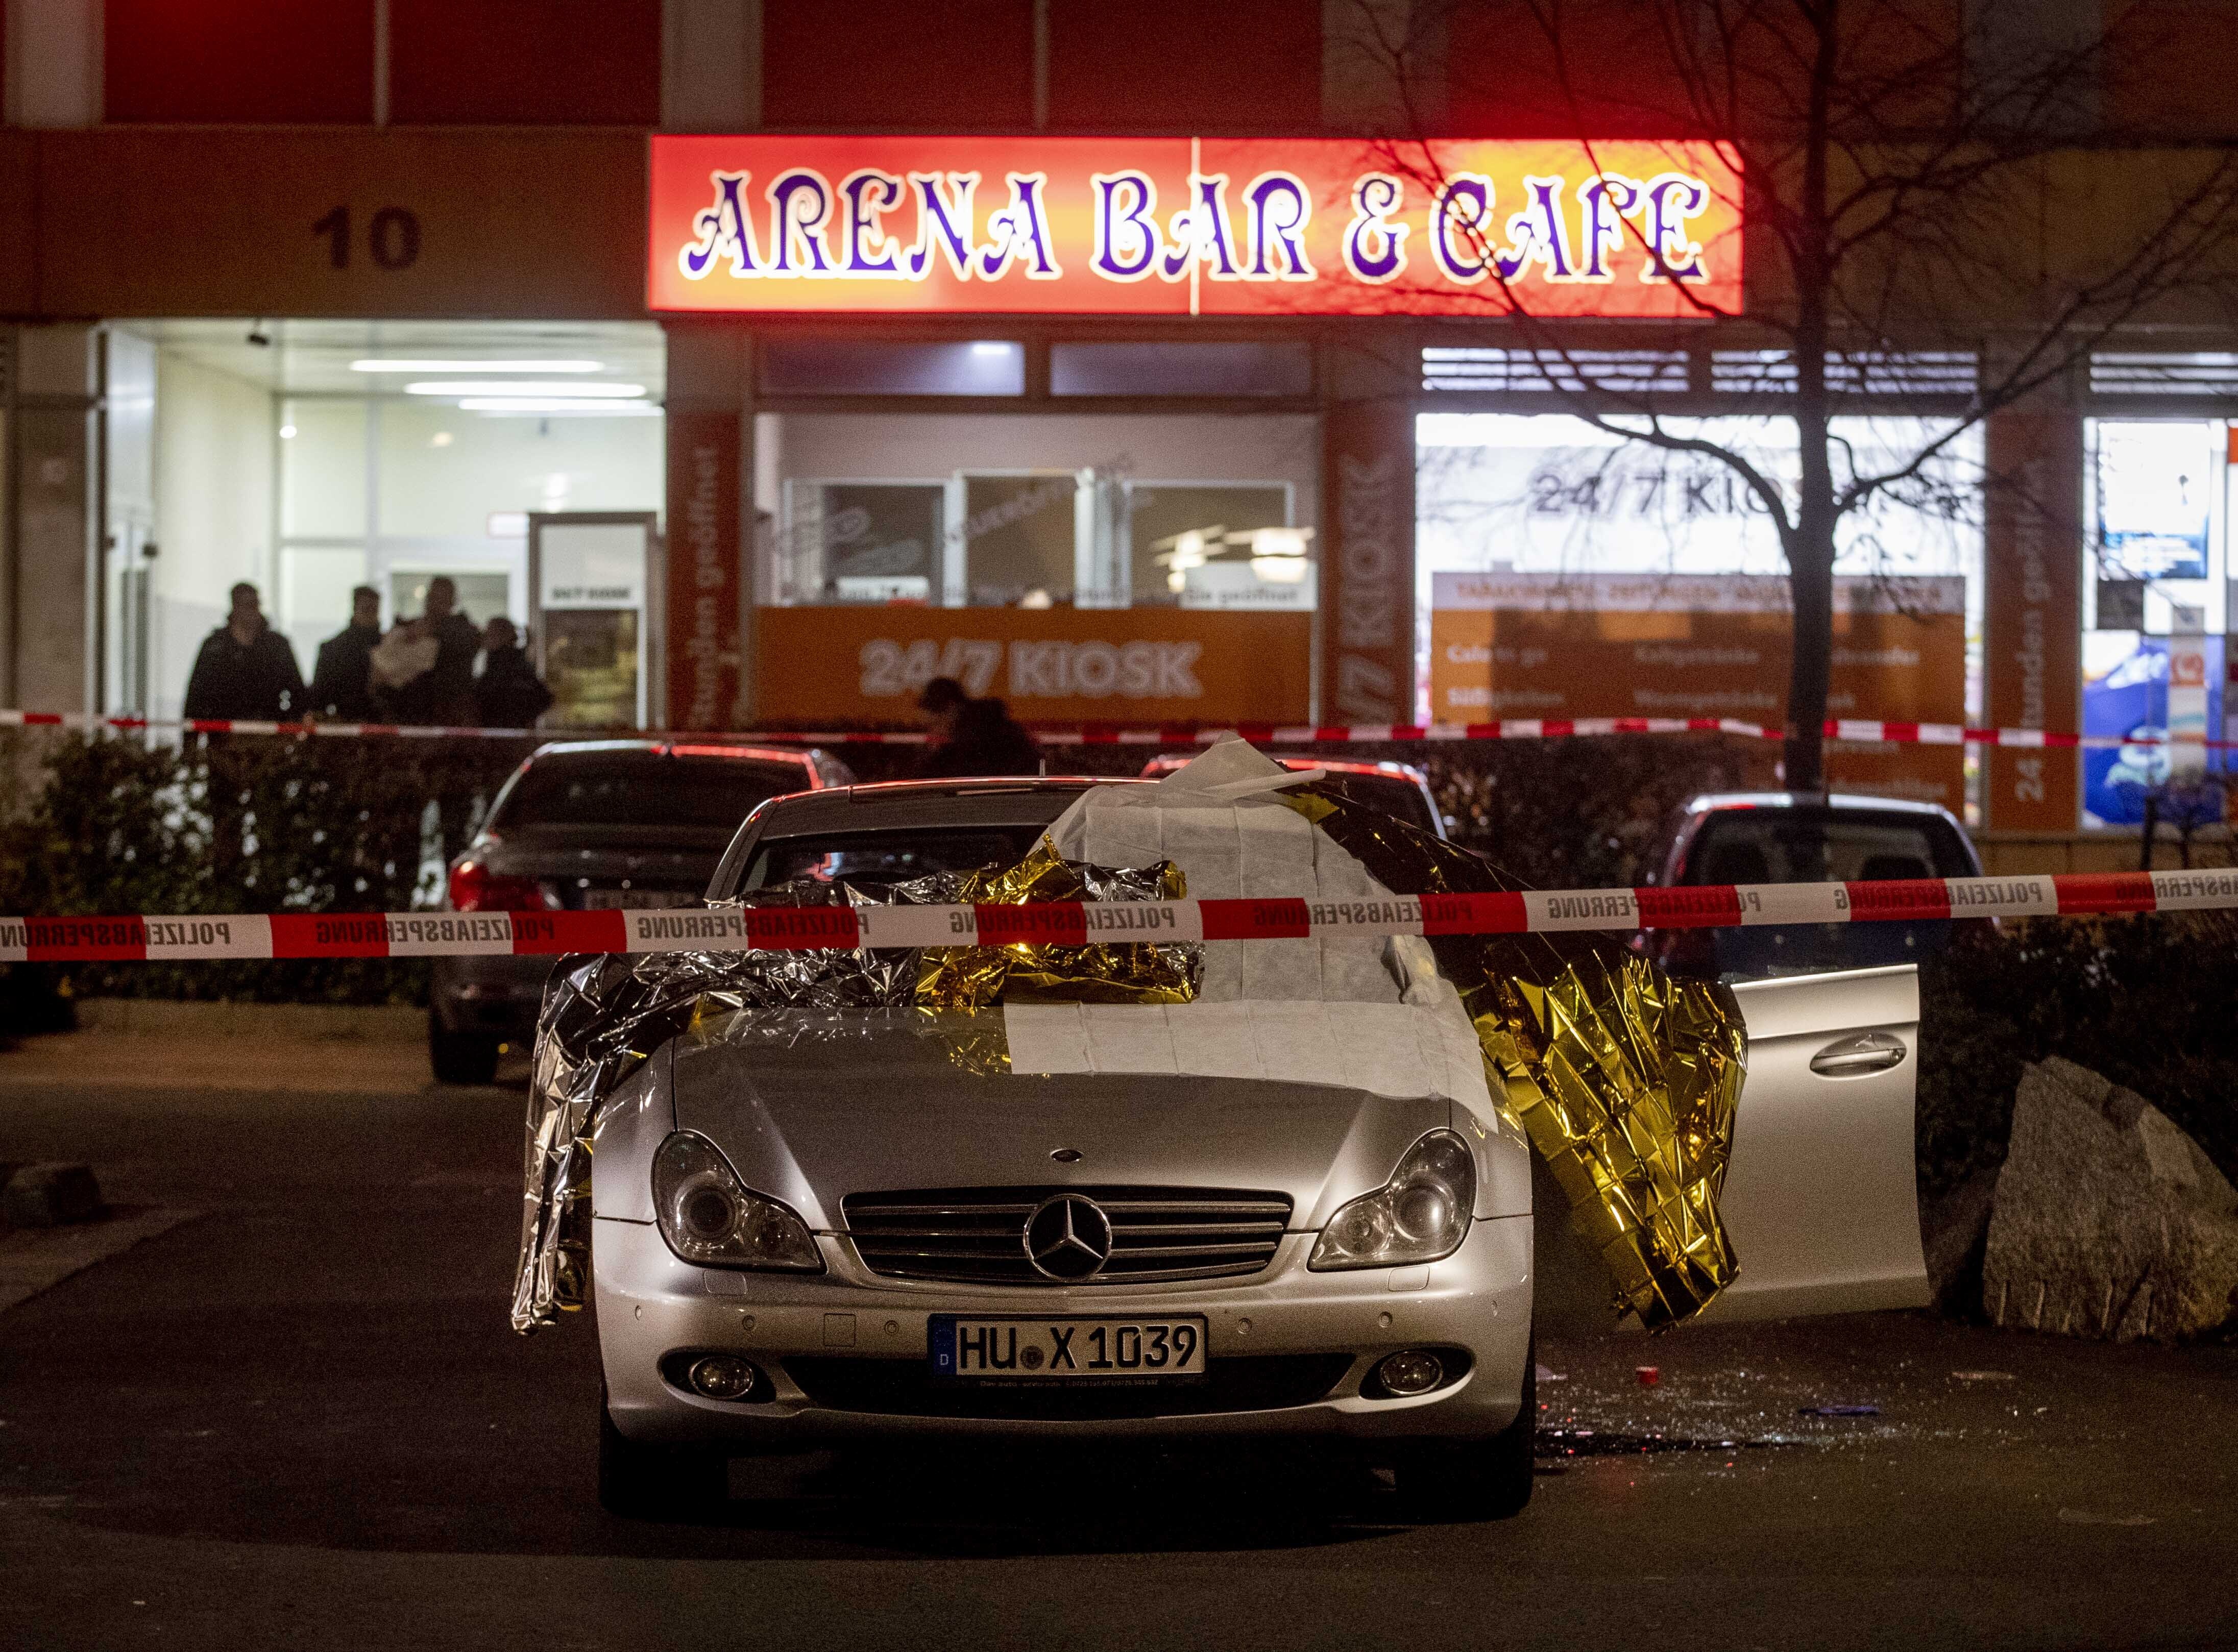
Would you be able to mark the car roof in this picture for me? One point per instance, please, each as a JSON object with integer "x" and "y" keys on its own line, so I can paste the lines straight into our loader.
{"x": 1708, "y": 802}
{"x": 898, "y": 806}
{"x": 1022, "y": 800}
{"x": 1405, "y": 771}
{"x": 792, "y": 758}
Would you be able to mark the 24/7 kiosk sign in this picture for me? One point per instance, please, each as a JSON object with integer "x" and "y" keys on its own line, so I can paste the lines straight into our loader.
{"x": 1191, "y": 226}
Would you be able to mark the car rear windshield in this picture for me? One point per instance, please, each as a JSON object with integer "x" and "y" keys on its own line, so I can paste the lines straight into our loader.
{"x": 1390, "y": 794}
{"x": 643, "y": 789}
{"x": 1780, "y": 846}
{"x": 889, "y": 857}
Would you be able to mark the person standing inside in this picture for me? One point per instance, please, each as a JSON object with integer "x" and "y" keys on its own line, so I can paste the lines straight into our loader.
{"x": 508, "y": 693}
{"x": 968, "y": 736}
{"x": 245, "y": 670}
{"x": 341, "y": 682}
{"x": 457, "y": 639}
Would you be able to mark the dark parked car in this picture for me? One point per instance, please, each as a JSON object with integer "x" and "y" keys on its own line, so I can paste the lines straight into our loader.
{"x": 1397, "y": 788}
{"x": 591, "y": 823}
{"x": 1781, "y": 837}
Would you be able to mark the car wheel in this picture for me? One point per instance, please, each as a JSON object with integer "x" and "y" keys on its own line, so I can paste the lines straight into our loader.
{"x": 1476, "y": 1479}
{"x": 639, "y": 1482}
{"x": 460, "y": 1058}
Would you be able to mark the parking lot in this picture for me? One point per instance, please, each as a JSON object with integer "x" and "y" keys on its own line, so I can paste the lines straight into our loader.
{"x": 295, "y": 1416}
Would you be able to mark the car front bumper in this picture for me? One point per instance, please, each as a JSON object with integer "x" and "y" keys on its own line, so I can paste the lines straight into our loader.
{"x": 848, "y": 1322}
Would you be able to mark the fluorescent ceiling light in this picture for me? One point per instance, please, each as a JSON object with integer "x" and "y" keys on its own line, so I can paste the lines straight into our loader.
{"x": 382, "y": 364}
{"x": 507, "y": 388}
{"x": 557, "y": 405}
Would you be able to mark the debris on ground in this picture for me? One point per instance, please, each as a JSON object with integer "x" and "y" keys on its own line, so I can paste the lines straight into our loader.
{"x": 1649, "y": 1375}
{"x": 1983, "y": 1375}
{"x": 1838, "y": 1410}
{"x": 2107, "y": 1221}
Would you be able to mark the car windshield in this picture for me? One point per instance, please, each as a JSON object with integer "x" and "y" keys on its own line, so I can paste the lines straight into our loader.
{"x": 890, "y": 857}
{"x": 1779, "y": 846}
{"x": 642, "y": 789}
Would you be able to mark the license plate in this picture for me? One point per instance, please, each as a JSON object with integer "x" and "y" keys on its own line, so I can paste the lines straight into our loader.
{"x": 639, "y": 899}
{"x": 1066, "y": 1350}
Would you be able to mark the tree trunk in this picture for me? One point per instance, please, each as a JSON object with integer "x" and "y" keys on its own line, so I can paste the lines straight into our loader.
{"x": 1809, "y": 542}
{"x": 1810, "y": 587}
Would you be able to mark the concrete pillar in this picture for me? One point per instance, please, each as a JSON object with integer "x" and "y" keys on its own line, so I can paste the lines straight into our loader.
{"x": 50, "y": 656}
{"x": 710, "y": 65}
{"x": 54, "y": 62}
{"x": 1383, "y": 66}
{"x": 709, "y": 524}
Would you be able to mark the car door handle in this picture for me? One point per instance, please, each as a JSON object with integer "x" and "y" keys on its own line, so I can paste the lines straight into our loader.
{"x": 1853, "y": 1057}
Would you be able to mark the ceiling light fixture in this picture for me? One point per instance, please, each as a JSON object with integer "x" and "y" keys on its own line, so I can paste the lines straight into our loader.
{"x": 381, "y": 364}
{"x": 588, "y": 390}
{"x": 557, "y": 405}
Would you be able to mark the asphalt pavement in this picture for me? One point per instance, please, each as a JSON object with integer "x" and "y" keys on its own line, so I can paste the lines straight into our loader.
{"x": 294, "y": 1417}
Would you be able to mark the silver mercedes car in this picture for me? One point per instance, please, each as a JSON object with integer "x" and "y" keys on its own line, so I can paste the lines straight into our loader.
{"x": 801, "y": 1243}
{"x": 1288, "y": 1209}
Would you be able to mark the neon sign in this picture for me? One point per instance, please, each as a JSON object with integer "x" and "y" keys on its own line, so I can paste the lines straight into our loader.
{"x": 1191, "y": 226}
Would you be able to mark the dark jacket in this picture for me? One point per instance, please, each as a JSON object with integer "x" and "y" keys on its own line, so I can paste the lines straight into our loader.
{"x": 341, "y": 682}
{"x": 457, "y": 639}
{"x": 259, "y": 682}
{"x": 987, "y": 741}
{"x": 509, "y": 692}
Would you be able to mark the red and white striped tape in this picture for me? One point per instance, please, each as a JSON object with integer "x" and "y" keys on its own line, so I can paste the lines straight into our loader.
{"x": 1855, "y": 729}
{"x": 459, "y": 934}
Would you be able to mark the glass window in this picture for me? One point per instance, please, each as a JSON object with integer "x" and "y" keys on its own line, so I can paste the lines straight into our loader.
{"x": 642, "y": 787}
{"x": 1194, "y": 546}
{"x": 888, "y": 857}
{"x": 1176, "y": 369}
{"x": 322, "y": 465}
{"x": 446, "y": 471}
{"x": 481, "y": 595}
{"x": 1781, "y": 846}
{"x": 868, "y": 541}
{"x": 878, "y": 367}
{"x": 1019, "y": 538}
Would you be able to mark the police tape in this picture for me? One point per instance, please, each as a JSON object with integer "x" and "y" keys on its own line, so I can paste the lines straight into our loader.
{"x": 473, "y": 934}
{"x": 1860, "y": 730}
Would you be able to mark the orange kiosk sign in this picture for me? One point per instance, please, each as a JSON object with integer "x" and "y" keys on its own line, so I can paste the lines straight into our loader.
{"x": 894, "y": 224}
{"x": 1696, "y": 645}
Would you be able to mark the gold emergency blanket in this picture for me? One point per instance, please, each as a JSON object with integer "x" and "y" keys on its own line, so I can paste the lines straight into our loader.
{"x": 980, "y": 977}
{"x": 1625, "y": 1079}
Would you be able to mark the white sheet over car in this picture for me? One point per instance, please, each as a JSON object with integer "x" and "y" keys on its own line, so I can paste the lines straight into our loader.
{"x": 1386, "y": 1049}
{"x": 1218, "y": 819}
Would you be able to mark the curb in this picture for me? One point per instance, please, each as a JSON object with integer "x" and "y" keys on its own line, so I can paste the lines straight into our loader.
{"x": 162, "y": 1017}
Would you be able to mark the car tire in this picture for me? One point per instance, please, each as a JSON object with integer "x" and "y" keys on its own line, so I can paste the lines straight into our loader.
{"x": 1476, "y": 1479}
{"x": 639, "y": 1482}
{"x": 460, "y": 1058}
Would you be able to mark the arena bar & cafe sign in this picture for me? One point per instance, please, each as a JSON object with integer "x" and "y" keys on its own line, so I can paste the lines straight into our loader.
{"x": 893, "y": 225}
{"x": 1190, "y": 227}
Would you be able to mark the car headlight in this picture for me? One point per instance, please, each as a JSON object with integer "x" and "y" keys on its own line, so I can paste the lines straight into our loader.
{"x": 1420, "y": 1214}
{"x": 708, "y": 1216}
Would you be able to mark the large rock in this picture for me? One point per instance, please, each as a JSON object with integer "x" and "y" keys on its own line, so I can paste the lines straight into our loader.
{"x": 50, "y": 1196}
{"x": 2108, "y": 1220}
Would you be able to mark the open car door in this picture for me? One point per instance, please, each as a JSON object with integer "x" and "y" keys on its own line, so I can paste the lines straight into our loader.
{"x": 1821, "y": 1200}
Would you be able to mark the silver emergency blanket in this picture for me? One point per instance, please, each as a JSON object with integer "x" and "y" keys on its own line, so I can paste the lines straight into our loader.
{"x": 604, "y": 1015}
